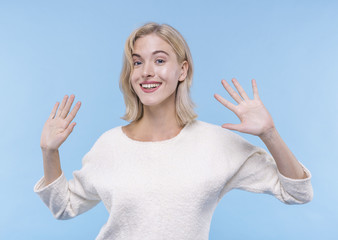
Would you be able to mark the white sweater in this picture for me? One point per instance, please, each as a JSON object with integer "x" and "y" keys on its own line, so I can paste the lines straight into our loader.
{"x": 167, "y": 189}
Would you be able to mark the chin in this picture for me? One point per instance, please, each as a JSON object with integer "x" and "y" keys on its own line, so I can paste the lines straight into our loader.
{"x": 157, "y": 100}
{"x": 150, "y": 103}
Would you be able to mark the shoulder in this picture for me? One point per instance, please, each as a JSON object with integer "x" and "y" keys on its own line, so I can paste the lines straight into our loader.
{"x": 107, "y": 140}
{"x": 108, "y": 136}
{"x": 218, "y": 136}
{"x": 209, "y": 129}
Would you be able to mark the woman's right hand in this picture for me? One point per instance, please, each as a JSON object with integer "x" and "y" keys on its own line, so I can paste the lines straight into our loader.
{"x": 59, "y": 124}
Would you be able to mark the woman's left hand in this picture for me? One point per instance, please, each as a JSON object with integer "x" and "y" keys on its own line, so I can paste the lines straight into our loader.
{"x": 255, "y": 118}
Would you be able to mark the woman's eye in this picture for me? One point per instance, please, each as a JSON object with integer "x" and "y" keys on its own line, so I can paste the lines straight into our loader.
{"x": 136, "y": 63}
{"x": 160, "y": 61}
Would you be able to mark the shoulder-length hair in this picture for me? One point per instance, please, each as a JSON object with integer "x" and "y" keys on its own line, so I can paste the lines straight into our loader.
{"x": 184, "y": 104}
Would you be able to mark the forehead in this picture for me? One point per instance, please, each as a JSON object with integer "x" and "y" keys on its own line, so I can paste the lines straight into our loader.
{"x": 151, "y": 43}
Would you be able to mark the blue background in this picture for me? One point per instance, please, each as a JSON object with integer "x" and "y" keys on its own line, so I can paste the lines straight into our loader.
{"x": 52, "y": 48}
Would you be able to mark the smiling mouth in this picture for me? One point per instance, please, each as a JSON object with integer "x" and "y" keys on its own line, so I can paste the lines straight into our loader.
{"x": 150, "y": 85}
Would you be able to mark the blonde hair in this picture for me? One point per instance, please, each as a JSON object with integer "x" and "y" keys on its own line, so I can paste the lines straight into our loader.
{"x": 184, "y": 104}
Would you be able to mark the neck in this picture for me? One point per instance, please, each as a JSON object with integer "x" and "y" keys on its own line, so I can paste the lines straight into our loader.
{"x": 157, "y": 124}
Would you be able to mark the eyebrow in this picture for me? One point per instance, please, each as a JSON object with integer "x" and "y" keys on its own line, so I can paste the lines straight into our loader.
{"x": 160, "y": 51}
{"x": 154, "y": 53}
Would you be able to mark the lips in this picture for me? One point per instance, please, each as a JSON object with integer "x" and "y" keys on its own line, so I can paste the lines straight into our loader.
{"x": 150, "y": 86}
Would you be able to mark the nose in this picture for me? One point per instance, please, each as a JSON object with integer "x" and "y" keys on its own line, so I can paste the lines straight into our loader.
{"x": 148, "y": 70}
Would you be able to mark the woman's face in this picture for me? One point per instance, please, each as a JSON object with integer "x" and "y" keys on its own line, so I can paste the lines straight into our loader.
{"x": 156, "y": 71}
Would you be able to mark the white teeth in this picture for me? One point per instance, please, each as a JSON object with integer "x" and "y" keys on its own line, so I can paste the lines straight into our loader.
{"x": 151, "y": 85}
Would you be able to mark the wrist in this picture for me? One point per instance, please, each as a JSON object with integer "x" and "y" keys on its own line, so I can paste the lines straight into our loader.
{"x": 48, "y": 150}
{"x": 269, "y": 134}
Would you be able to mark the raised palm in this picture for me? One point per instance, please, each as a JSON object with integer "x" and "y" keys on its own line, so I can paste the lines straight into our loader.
{"x": 255, "y": 118}
{"x": 59, "y": 124}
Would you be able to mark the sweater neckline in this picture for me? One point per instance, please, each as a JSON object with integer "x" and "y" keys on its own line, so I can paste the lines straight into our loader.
{"x": 179, "y": 135}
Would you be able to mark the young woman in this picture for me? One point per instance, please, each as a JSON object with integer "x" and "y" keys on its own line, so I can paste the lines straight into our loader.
{"x": 162, "y": 175}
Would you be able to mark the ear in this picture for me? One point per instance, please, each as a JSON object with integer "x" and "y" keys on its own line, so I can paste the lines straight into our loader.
{"x": 184, "y": 71}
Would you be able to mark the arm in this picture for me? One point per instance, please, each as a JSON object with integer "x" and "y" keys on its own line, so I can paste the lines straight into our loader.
{"x": 65, "y": 199}
{"x": 256, "y": 120}
{"x": 55, "y": 131}
{"x": 286, "y": 162}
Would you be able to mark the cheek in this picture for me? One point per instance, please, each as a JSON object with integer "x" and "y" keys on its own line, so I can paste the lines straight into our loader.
{"x": 133, "y": 77}
{"x": 133, "y": 81}
{"x": 169, "y": 74}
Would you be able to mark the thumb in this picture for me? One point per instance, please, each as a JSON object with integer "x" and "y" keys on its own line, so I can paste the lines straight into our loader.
{"x": 230, "y": 126}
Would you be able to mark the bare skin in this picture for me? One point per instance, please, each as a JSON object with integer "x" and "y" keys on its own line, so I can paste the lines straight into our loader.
{"x": 256, "y": 120}
{"x": 56, "y": 130}
{"x": 155, "y": 60}
{"x": 155, "y": 125}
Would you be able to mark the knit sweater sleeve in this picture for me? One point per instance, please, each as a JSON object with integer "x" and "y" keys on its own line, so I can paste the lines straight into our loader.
{"x": 67, "y": 199}
{"x": 257, "y": 172}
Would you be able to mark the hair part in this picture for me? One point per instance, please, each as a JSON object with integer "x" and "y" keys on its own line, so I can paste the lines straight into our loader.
{"x": 184, "y": 104}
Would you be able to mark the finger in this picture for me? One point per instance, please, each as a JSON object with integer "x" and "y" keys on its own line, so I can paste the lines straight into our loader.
{"x": 69, "y": 103}
{"x": 73, "y": 113}
{"x": 232, "y": 92}
{"x": 69, "y": 129}
{"x": 62, "y": 105}
{"x": 255, "y": 89}
{"x": 52, "y": 114}
{"x": 225, "y": 102}
{"x": 230, "y": 126}
{"x": 240, "y": 89}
